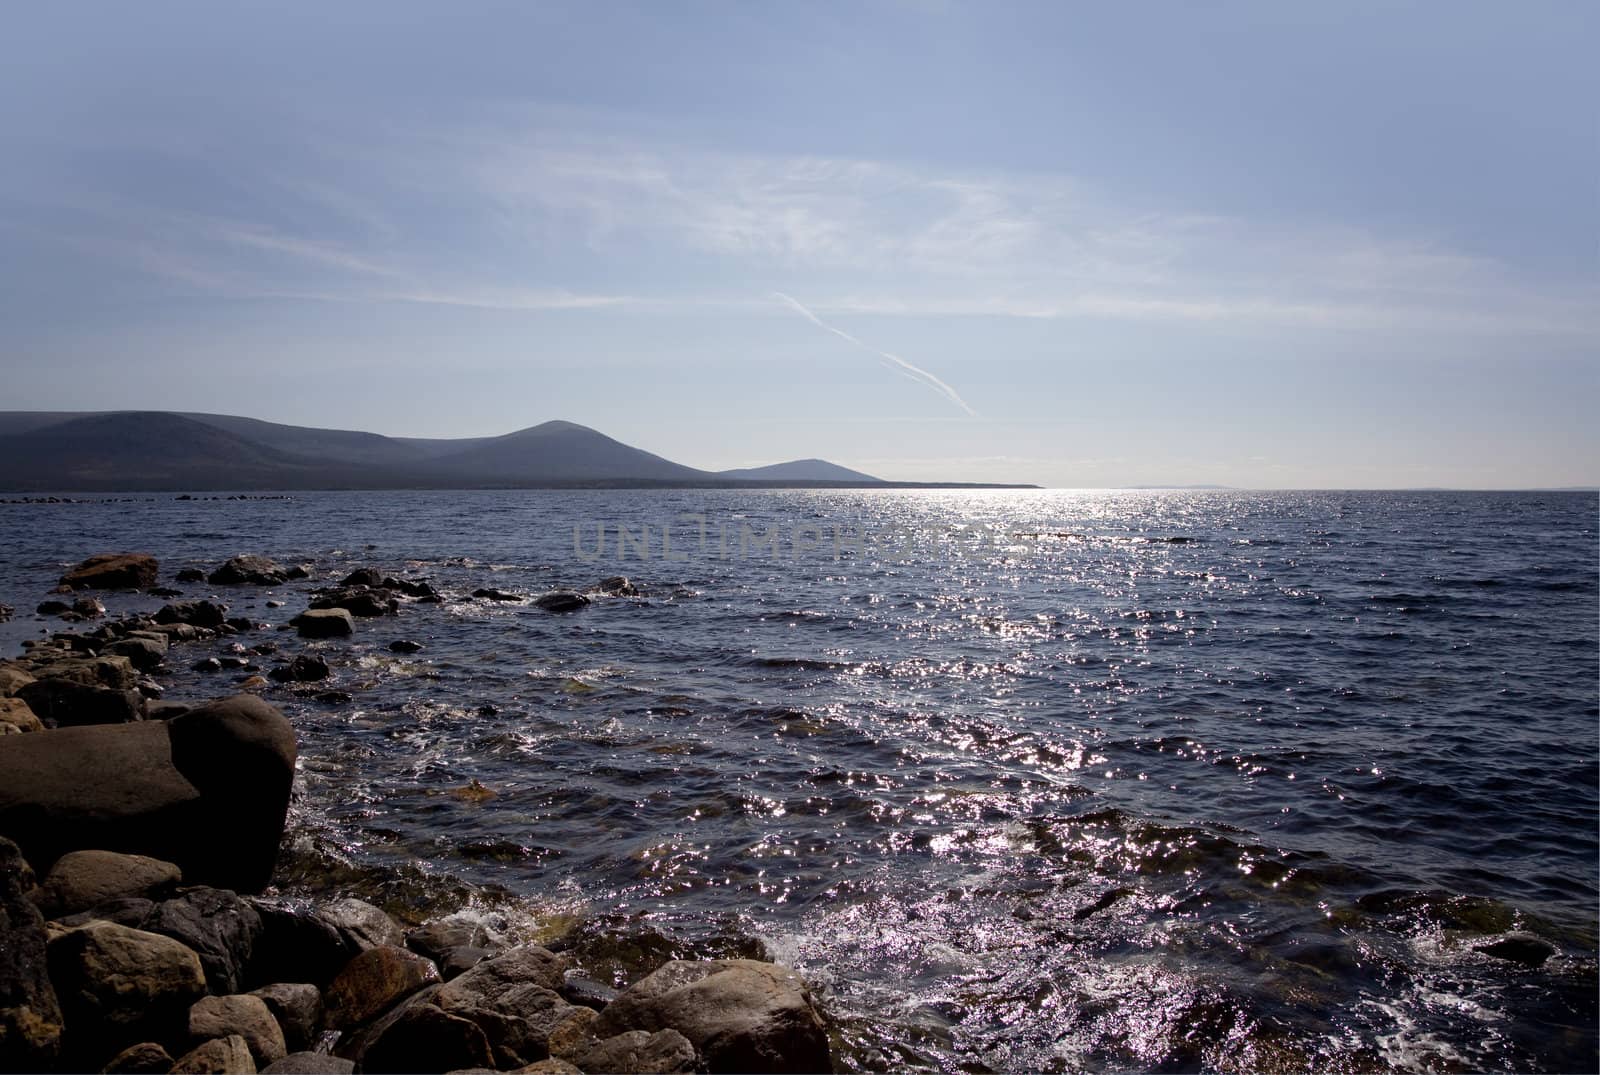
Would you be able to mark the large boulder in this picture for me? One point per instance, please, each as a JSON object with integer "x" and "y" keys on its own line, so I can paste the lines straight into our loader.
{"x": 80, "y": 880}
{"x": 30, "y": 1017}
{"x": 71, "y": 691}
{"x": 742, "y": 1015}
{"x": 144, "y": 651}
{"x": 120, "y": 986}
{"x": 251, "y": 570}
{"x": 207, "y": 790}
{"x": 113, "y": 571}
{"x": 512, "y": 998}
{"x": 241, "y": 1014}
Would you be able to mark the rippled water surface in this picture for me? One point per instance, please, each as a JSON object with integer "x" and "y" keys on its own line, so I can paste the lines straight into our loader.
{"x": 1044, "y": 780}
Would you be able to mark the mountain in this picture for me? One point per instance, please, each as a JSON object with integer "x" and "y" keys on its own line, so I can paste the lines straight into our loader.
{"x": 69, "y": 451}
{"x": 800, "y": 470}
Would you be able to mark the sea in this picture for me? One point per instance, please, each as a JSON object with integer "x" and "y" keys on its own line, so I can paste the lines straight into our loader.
{"x": 1020, "y": 780}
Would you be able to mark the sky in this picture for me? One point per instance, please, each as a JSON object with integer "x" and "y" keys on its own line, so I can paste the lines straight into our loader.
{"x": 1256, "y": 244}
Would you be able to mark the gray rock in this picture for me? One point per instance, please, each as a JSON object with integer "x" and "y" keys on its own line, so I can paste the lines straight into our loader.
{"x": 639, "y": 1052}
{"x": 207, "y": 790}
{"x": 360, "y": 925}
{"x": 120, "y": 986}
{"x": 297, "y": 1006}
{"x": 146, "y": 1058}
{"x": 442, "y": 934}
{"x": 510, "y": 996}
{"x": 251, "y": 570}
{"x": 324, "y": 623}
{"x": 30, "y": 1017}
{"x": 218, "y": 926}
{"x": 305, "y": 668}
{"x": 143, "y": 653}
{"x": 219, "y": 1056}
{"x": 242, "y": 1014}
{"x": 618, "y": 586}
{"x": 80, "y": 880}
{"x": 193, "y": 613}
{"x": 375, "y": 980}
{"x": 561, "y": 601}
{"x": 113, "y": 571}
{"x": 304, "y": 1063}
{"x": 742, "y": 1015}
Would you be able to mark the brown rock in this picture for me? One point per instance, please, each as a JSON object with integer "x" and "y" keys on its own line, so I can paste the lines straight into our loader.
{"x": 119, "y": 986}
{"x": 81, "y": 880}
{"x": 15, "y": 716}
{"x": 297, "y": 1006}
{"x": 243, "y": 1015}
{"x": 639, "y": 1052}
{"x": 146, "y": 1058}
{"x": 304, "y": 1063}
{"x": 30, "y": 1017}
{"x": 113, "y": 571}
{"x": 219, "y": 1056}
{"x": 373, "y": 981}
{"x": 426, "y": 1039}
{"x": 324, "y": 623}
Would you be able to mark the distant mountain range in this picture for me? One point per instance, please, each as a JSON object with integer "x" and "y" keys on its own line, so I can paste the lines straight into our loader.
{"x": 57, "y": 451}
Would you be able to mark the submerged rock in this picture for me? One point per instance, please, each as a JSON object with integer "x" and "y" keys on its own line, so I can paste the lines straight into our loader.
{"x": 113, "y": 571}
{"x": 251, "y": 570}
{"x": 305, "y": 668}
{"x": 561, "y": 601}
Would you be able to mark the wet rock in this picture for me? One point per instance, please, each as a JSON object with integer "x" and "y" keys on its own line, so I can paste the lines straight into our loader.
{"x": 207, "y": 664}
{"x": 64, "y": 702}
{"x": 6, "y": 612}
{"x": 146, "y": 1058}
{"x": 361, "y": 926}
{"x": 219, "y": 1056}
{"x": 143, "y": 652}
{"x": 552, "y": 1066}
{"x": 297, "y": 572}
{"x": 119, "y": 986}
{"x": 51, "y": 607}
{"x": 425, "y": 1038}
{"x": 441, "y": 935}
{"x": 296, "y": 945}
{"x": 373, "y": 981}
{"x": 561, "y": 601}
{"x": 638, "y": 1051}
{"x": 415, "y": 588}
{"x": 357, "y": 600}
{"x": 218, "y": 926}
{"x": 1523, "y": 948}
{"x": 305, "y": 1063}
{"x": 740, "y": 1014}
{"x": 16, "y": 716}
{"x": 404, "y": 645}
{"x": 324, "y": 623}
{"x": 297, "y": 1006}
{"x": 334, "y": 697}
{"x": 245, "y": 1015}
{"x": 88, "y": 607}
{"x": 305, "y": 668}
{"x": 363, "y": 576}
{"x": 113, "y": 571}
{"x": 164, "y": 592}
{"x": 511, "y": 997}
{"x": 454, "y": 962}
{"x": 80, "y": 880}
{"x": 191, "y": 574}
{"x": 30, "y": 1016}
{"x": 193, "y": 613}
{"x": 247, "y": 570}
{"x": 207, "y": 790}
{"x": 578, "y": 989}
{"x": 618, "y": 586}
{"x": 496, "y": 595}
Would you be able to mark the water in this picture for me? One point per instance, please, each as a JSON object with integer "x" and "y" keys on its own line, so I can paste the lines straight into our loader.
{"x": 1128, "y": 781}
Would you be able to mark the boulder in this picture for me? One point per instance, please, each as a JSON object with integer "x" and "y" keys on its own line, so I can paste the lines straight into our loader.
{"x": 88, "y": 607}
{"x": 113, "y": 571}
{"x": 363, "y": 576}
{"x": 146, "y": 1058}
{"x": 304, "y": 668}
{"x": 404, "y": 645}
{"x": 296, "y": 944}
{"x": 297, "y": 1006}
{"x": 618, "y": 586}
{"x": 143, "y": 652}
{"x": 251, "y": 570}
{"x": 561, "y": 601}
{"x": 742, "y": 1015}
{"x": 16, "y": 716}
{"x": 425, "y": 1038}
{"x": 207, "y": 790}
{"x": 221, "y": 928}
{"x": 114, "y": 672}
{"x": 552, "y": 1066}
{"x": 305, "y": 1063}
{"x": 638, "y": 1052}
{"x": 219, "y": 1056}
{"x": 454, "y": 962}
{"x": 191, "y": 574}
{"x": 80, "y": 880}
{"x": 324, "y": 623}
{"x": 510, "y": 996}
{"x": 373, "y": 981}
{"x": 360, "y": 925}
{"x": 13, "y": 677}
{"x": 496, "y": 595}
{"x": 66, "y": 703}
{"x": 119, "y": 986}
{"x": 52, "y": 606}
{"x": 30, "y": 1017}
{"x": 443, "y": 934}
{"x": 241, "y": 1014}
{"x": 193, "y": 613}
{"x": 357, "y": 600}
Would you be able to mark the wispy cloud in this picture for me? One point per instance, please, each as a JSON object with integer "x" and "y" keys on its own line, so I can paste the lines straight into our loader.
{"x": 900, "y": 365}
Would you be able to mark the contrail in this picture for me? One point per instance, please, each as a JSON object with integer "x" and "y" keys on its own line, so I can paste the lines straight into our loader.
{"x": 894, "y": 362}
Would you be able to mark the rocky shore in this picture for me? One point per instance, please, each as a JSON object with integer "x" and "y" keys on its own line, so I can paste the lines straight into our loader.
{"x": 139, "y": 929}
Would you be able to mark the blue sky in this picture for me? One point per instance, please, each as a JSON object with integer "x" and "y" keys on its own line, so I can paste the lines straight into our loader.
{"x": 1275, "y": 245}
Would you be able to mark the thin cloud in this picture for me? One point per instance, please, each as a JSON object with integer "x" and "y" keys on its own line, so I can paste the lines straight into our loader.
{"x": 894, "y": 362}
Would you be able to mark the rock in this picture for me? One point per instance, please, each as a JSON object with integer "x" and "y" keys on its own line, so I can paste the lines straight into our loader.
{"x": 561, "y": 601}
{"x": 51, "y": 607}
{"x": 363, "y": 576}
{"x": 496, "y": 595}
{"x": 742, "y": 1015}
{"x": 357, "y": 600}
{"x": 88, "y": 607}
{"x": 637, "y": 1052}
{"x": 324, "y": 623}
{"x": 426, "y": 1039}
{"x": 404, "y": 645}
{"x": 219, "y": 1056}
{"x": 143, "y": 652}
{"x": 16, "y": 716}
{"x": 297, "y": 1006}
{"x": 416, "y": 588}
{"x": 572, "y": 1036}
{"x": 454, "y": 962}
{"x": 241, "y": 1014}
{"x": 373, "y": 981}
{"x": 146, "y": 1058}
{"x": 304, "y": 1063}
{"x": 207, "y": 790}
{"x": 191, "y": 574}
{"x": 207, "y": 664}
{"x": 80, "y": 880}
{"x": 113, "y": 571}
{"x": 252, "y": 570}
{"x": 13, "y": 678}
{"x": 305, "y": 668}
{"x": 552, "y": 1066}
{"x": 193, "y": 613}
{"x": 618, "y": 586}
{"x": 1523, "y": 948}
{"x": 511, "y": 999}
{"x": 578, "y": 989}
{"x": 441, "y": 935}
{"x": 119, "y": 986}
{"x": 6, "y": 612}
{"x": 30, "y": 1017}
{"x": 296, "y": 945}
{"x": 218, "y": 926}
{"x": 296, "y": 572}
{"x": 361, "y": 926}
{"x": 116, "y": 673}
{"x": 164, "y": 591}
{"x": 61, "y": 701}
